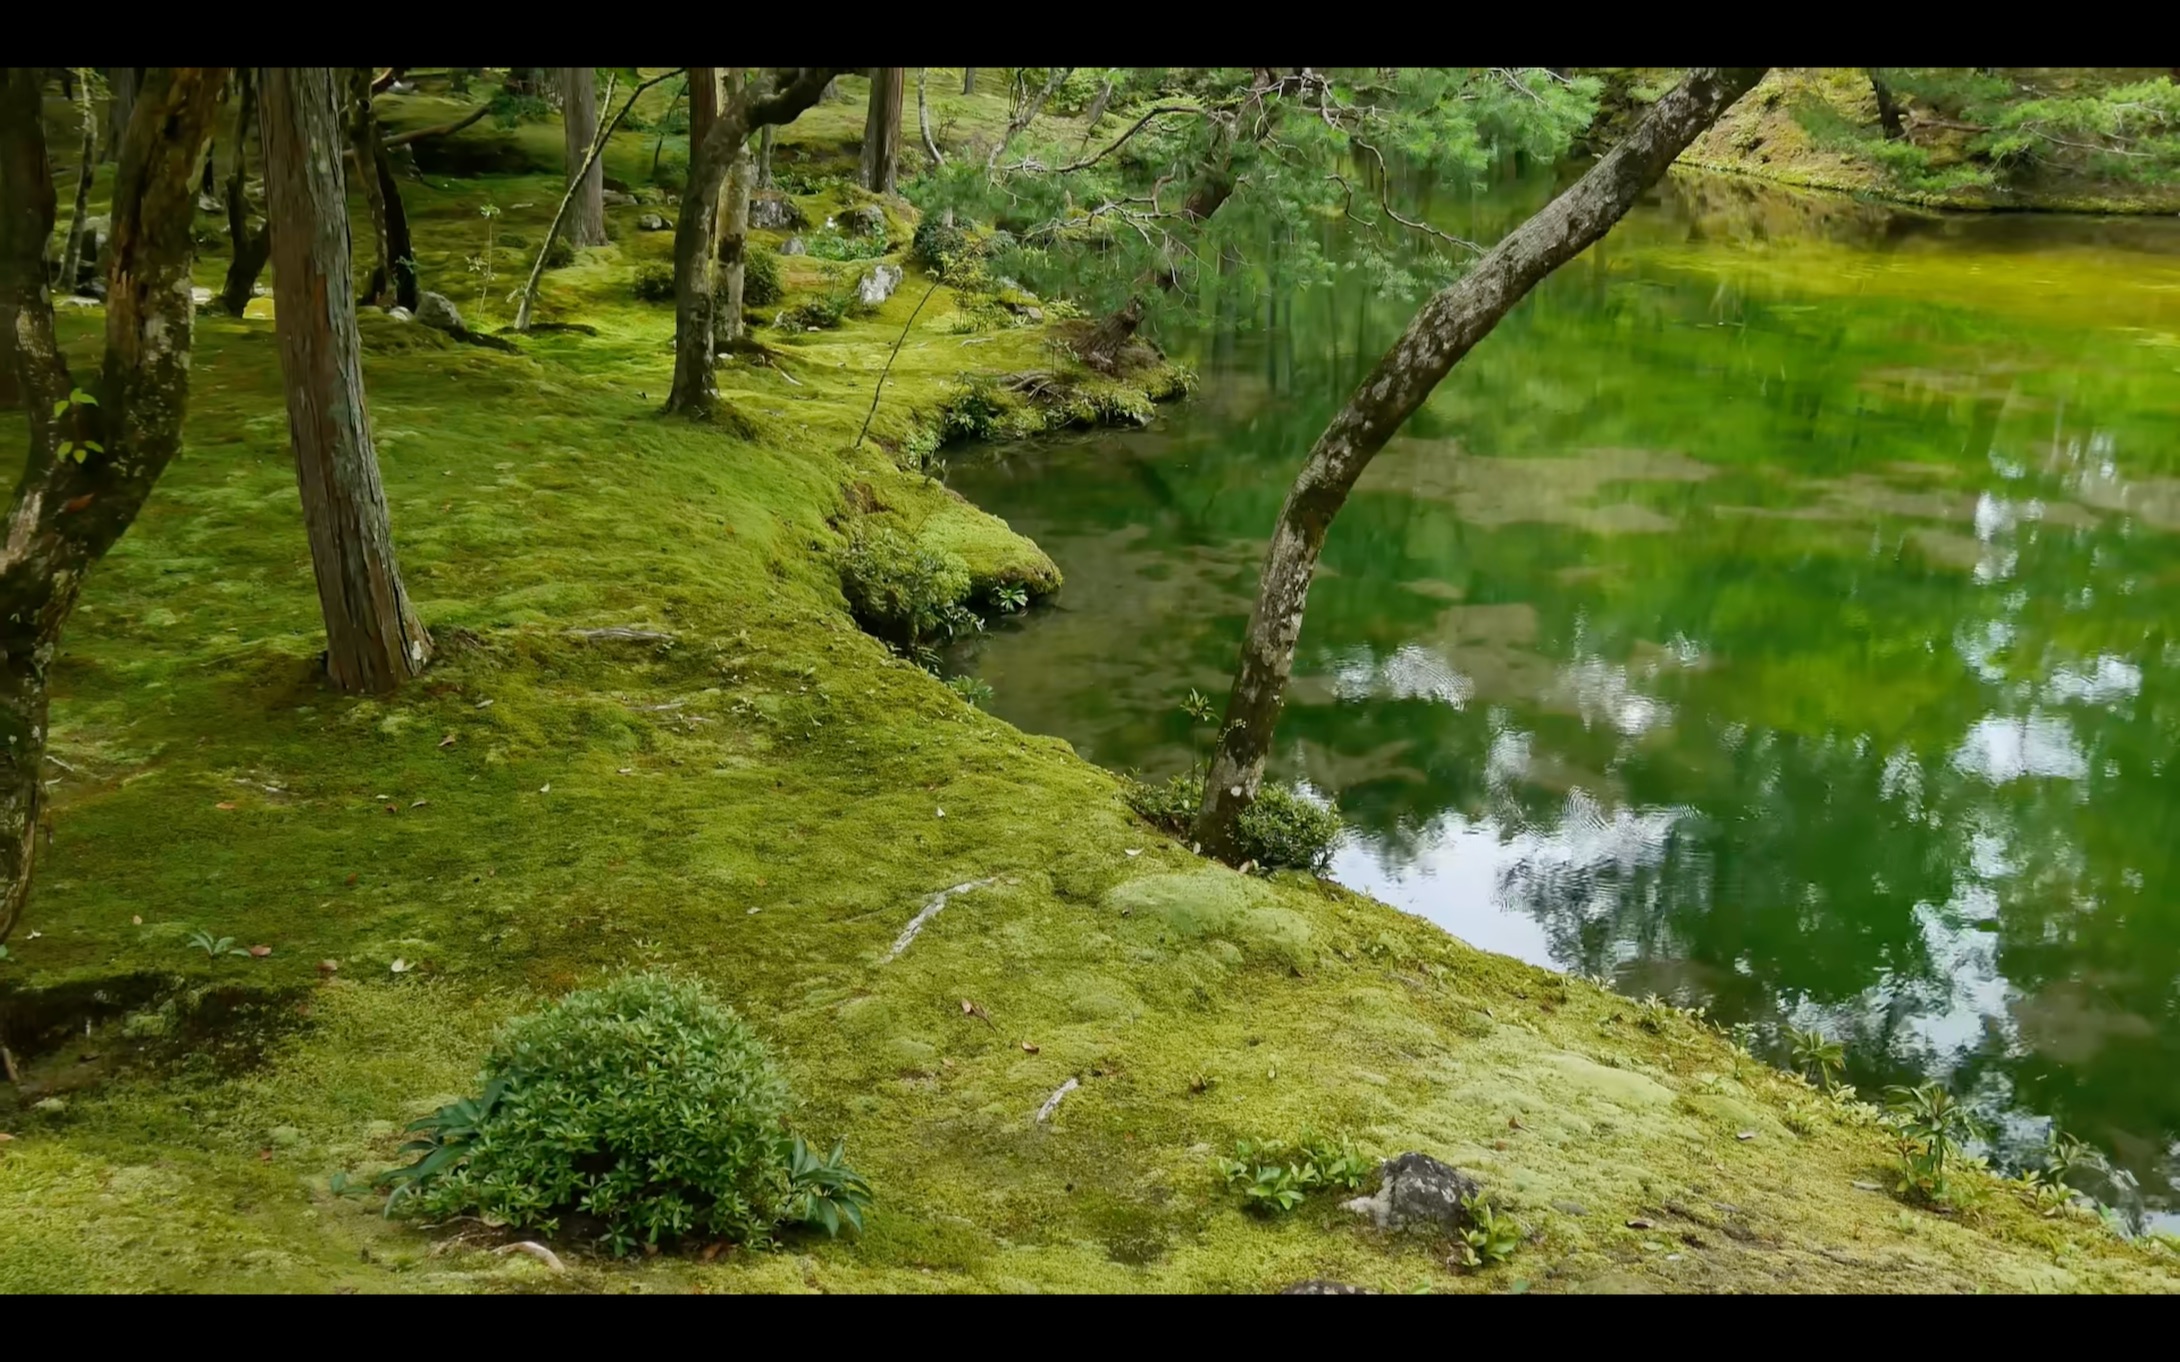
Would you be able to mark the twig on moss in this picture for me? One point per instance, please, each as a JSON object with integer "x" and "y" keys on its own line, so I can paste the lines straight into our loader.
{"x": 872, "y": 414}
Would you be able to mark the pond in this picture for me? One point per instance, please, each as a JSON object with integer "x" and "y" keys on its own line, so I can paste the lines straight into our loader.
{"x": 1775, "y": 614}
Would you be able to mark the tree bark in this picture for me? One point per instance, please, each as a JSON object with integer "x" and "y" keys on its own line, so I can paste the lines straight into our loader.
{"x": 923, "y": 119}
{"x": 363, "y": 143}
{"x": 579, "y": 124}
{"x": 400, "y": 249}
{"x": 525, "y": 80}
{"x": 374, "y": 640}
{"x": 73, "y": 501}
{"x": 1101, "y": 350}
{"x": 882, "y": 129}
{"x": 1446, "y": 328}
{"x": 1888, "y": 110}
{"x": 122, "y": 82}
{"x": 249, "y": 250}
{"x": 72, "y": 253}
{"x": 785, "y": 93}
{"x": 734, "y": 236}
{"x": 705, "y": 83}
{"x": 968, "y": 80}
{"x": 764, "y": 158}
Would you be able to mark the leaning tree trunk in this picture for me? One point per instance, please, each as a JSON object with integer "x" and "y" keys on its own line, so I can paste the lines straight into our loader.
{"x": 1443, "y": 331}
{"x": 696, "y": 390}
{"x": 249, "y": 250}
{"x": 363, "y": 140}
{"x": 374, "y": 641}
{"x": 400, "y": 250}
{"x": 882, "y": 129}
{"x": 90, "y": 465}
{"x": 733, "y": 237}
{"x": 1101, "y": 349}
{"x": 87, "y": 165}
{"x": 579, "y": 126}
{"x": 121, "y": 82}
{"x": 1888, "y": 109}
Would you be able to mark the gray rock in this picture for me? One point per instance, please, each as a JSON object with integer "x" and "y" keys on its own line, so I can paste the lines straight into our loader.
{"x": 200, "y": 297}
{"x": 438, "y": 312}
{"x": 651, "y": 222}
{"x": 794, "y": 246}
{"x": 649, "y": 194}
{"x": 775, "y": 212}
{"x": 1417, "y": 1190}
{"x": 868, "y": 220}
{"x": 878, "y": 285}
{"x": 1030, "y": 314}
{"x": 401, "y": 87}
{"x": 1320, "y": 1287}
{"x": 401, "y": 314}
{"x": 614, "y": 198}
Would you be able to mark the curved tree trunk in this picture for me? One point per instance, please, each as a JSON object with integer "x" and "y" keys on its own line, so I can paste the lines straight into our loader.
{"x": 786, "y": 93}
{"x": 250, "y": 250}
{"x": 579, "y": 124}
{"x": 882, "y": 129}
{"x": 72, "y": 253}
{"x": 1445, "y": 329}
{"x": 733, "y": 236}
{"x": 923, "y": 119}
{"x": 69, "y": 510}
{"x": 374, "y": 640}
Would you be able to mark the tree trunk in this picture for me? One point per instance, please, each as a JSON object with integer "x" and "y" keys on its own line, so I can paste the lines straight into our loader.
{"x": 733, "y": 236}
{"x": 72, "y": 253}
{"x": 579, "y": 125}
{"x": 1444, "y": 330}
{"x": 1101, "y": 350}
{"x": 704, "y": 103}
{"x": 400, "y": 250}
{"x": 250, "y": 250}
{"x": 788, "y": 93}
{"x": 74, "y": 501}
{"x": 1888, "y": 111}
{"x": 122, "y": 81}
{"x": 882, "y": 129}
{"x": 374, "y": 641}
{"x": 923, "y": 120}
{"x": 525, "y": 80}
{"x": 832, "y": 91}
{"x": 363, "y": 140}
{"x": 764, "y": 158}
{"x": 1096, "y": 112}
{"x": 968, "y": 80}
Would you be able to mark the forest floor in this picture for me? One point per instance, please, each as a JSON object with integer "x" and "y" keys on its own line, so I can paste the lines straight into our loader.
{"x": 767, "y": 799}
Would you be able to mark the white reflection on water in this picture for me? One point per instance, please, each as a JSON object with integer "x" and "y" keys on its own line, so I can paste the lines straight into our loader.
{"x": 2002, "y": 747}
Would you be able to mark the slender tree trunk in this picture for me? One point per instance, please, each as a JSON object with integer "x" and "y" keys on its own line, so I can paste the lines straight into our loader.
{"x": 734, "y": 234}
{"x": 374, "y": 640}
{"x": 1888, "y": 110}
{"x": 923, "y": 119}
{"x": 69, "y": 510}
{"x": 121, "y": 81}
{"x": 1096, "y": 112}
{"x": 785, "y": 94}
{"x": 968, "y": 80}
{"x": 525, "y": 80}
{"x": 400, "y": 250}
{"x": 705, "y": 83}
{"x": 882, "y": 129}
{"x": 568, "y": 196}
{"x": 250, "y": 250}
{"x": 72, "y": 253}
{"x": 579, "y": 124}
{"x": 764, "y": 158}
{"x": 1444, "y": 330}
{"x": 363, "y": 140}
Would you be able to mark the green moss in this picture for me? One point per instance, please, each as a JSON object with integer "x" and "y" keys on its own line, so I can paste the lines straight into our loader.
{"x": 767, "y": 801}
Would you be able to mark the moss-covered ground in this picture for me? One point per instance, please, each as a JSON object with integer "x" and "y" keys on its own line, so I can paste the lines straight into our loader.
{"x": 766, "y": 801}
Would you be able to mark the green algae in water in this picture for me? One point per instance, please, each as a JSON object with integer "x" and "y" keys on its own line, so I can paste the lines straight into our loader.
{"x": 1773, "y": 614}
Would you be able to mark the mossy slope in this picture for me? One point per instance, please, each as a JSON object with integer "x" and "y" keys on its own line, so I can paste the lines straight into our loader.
{"x": 767, "y": 800}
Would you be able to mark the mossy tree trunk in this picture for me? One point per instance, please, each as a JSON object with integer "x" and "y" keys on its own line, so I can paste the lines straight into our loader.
{"x": 1101, "y": 350}
{"x": 579, "y": 124}
{"x": 882, "y": 128}
{"x": 734, "y": 234}
{"x": 374, "y": 640}
{"x": 90, "y": 464}
{"x": 777, "y": 97}
{"x": 248, "y": 250}
{"x": 1447, "y": 327}
{"x": 704, "y": 100}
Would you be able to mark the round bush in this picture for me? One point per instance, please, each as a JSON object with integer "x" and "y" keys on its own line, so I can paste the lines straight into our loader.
{"x": 646, "y": 1103}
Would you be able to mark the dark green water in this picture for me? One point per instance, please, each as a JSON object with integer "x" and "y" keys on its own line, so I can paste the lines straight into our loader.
{"x": 1778, "y": 613}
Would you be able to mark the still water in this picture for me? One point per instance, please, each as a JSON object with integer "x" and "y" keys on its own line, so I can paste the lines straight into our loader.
{"x": 1777, "y": 613}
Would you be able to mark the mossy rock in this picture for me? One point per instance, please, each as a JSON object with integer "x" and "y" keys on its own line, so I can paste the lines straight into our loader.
{"x": 1213, "y": 902}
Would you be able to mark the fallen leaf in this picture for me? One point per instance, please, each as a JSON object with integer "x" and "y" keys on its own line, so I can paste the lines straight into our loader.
{"x": 328, "y": 966}
{"x": 1746, "y": 1135}
{"x": 971, "y": 1009}
{"x": 484, "y": 704}
{"x": 447, "y": 741}
{"x": 753, "y": 912}
{"x": 1132, "y": 851}
{"x": 420, "y": 803}
{"x": 34, "y": 936}
{"x": 942, "y": 813}
{"x": 712, "y": 1249}
{"x": 400, "y": 967}
{"x": 225, "y": 804}
{"x": 392, "y": 808}
{"x": 260, "y": 952}
{"x": 352, "y": 877}
{"x": 74, "y": 504}
{"x": 626, "y": 771}
{"x": 1638, "y": 1224}
{"x": 1868, "y": 1187}
{"x": 546, "y": 788}
{"x": 264, "y": 1156}
{"x": 1028, "y": 1048}
{"x": 5, "y": 1137}
{"x": 1514, "y": 1123}
{"x": 137, "y": 920}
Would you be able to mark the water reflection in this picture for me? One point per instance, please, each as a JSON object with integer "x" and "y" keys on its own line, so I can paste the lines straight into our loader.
{"x": 1772, "y": 614}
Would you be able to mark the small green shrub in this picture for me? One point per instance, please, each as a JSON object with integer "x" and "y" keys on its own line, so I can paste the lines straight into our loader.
{"x": 1814, "y": 1050}
{"x": 825, "y": 312}
{"x": 655, "y": 284}
{"x": 1490, "y": 1239}
{"x": 972, "y": 691}
{"x": 834, "y": 246}
{"x": 901, "y": 591}
{"x": 1275, "y": 1177}
{"x": 955, "y": 254}
{"x": 1281, "y": 829}
{"x": 645, "y": 1103}
{"x": 1932, "y": 1128}
{"x": 761, "y": 278}
{"x": 214, "y": 947}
